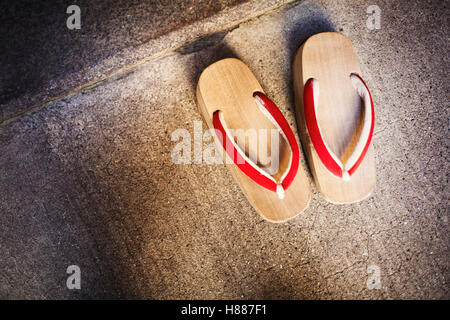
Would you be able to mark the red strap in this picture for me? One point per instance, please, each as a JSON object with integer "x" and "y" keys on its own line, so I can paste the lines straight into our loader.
{"x": 246, "y": 165}
{"x": 331, "y": 161}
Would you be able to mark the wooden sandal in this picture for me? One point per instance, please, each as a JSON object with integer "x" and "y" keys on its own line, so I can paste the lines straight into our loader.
{"x": 230, "y": 99}
{"x": 335, "y": 130}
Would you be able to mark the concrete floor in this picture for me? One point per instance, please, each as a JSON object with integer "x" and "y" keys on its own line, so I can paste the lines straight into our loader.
{"x": 88, "y": 179}
{"x": 42, "y": 60}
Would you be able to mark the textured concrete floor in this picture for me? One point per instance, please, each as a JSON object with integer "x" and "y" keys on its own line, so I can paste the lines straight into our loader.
{"x": 38, "y": 48}
{"x": 89, "y": 180}
{"x": 42, "y": 60}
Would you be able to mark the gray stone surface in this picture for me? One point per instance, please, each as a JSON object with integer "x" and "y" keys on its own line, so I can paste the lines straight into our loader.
{"x": 89, "y": 180}
{"x": 42, "y": 60}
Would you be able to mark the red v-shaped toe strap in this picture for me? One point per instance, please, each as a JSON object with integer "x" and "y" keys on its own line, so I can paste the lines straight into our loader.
{"x": 328, "y": 158}
{"x": 247, "y": 166}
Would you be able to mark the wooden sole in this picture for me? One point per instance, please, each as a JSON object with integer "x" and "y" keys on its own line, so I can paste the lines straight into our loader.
{"x": 228, "y": 85}
{"x": 330, "y": 58}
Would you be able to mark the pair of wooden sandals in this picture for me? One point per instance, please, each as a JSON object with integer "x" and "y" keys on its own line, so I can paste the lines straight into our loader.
{"x": 335, "y": 118}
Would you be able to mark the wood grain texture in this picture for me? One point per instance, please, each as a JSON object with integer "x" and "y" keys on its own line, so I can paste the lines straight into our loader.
{"x": 330, "y": 58}
{"x": 228, "y": 85}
